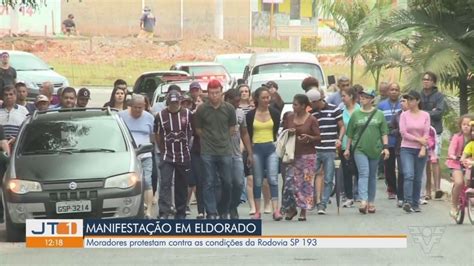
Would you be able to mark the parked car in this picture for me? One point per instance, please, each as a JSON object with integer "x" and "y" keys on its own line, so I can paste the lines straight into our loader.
{"x": 234, "y": 63}
{"x": 285, "y": 62}
{"x": 33, "y": 71}
{"x": 147, "y": 82}
{"x": 63, "y": 166}
{"x": 289, "y": 84}
{"x": 206, "y": 71}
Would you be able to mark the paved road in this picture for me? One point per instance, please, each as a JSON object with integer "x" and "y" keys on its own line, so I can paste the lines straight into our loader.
{"x": 454, "y": 247}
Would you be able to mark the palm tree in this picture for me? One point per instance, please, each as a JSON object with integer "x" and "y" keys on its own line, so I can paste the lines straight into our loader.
{"x": 439, "y": 36}
{"x": 347, "y": 16}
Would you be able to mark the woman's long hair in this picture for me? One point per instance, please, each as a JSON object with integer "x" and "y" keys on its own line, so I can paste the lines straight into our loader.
{"x": 111, "y": 102}
{"x": 256, "y": 94}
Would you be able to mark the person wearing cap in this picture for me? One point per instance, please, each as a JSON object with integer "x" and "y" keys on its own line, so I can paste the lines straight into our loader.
{"x": 147, "y": 23}
{"x": 42, "y": 103}
{"x": 414, "y": 128}
{"x": 7, "y": 72}
{"x": 276, "y": 101}
{"x": 140, "y": 123}
{"x": 215, "y": 122}
{"x": 173, "y": 131}
{"x": 83, "y": 97}
{"x": 187, "y": 102}
{"x": 332, "y": 132}
{"x": 22, "y": 94}
{"x": 195, "y": 90}
{"x": 367, "y": 141}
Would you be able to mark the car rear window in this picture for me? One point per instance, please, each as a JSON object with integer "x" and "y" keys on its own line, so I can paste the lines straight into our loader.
{"x": 310, "y": 69}
{"x": 83, "y": 133}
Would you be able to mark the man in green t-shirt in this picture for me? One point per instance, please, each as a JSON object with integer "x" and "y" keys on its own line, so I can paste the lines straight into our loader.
{"x": 215, "y": 124}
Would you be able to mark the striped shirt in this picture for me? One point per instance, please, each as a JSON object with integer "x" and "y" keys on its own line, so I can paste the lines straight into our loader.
{"x": 175, "y": 131}
{"x": 328, "y": 119}
{"x": 12, "y": 120}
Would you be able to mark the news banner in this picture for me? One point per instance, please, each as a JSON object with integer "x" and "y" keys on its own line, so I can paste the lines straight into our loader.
{"x": 93, "y": 233}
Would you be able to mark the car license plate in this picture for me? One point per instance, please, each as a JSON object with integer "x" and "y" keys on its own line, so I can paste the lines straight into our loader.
{"x": 73, "y": 206}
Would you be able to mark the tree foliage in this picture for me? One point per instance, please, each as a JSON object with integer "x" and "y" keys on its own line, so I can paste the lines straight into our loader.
{"x": 435, "y": 35}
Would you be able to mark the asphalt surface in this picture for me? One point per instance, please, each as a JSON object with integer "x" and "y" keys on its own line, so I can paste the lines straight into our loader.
{"x": 433, "y": 239}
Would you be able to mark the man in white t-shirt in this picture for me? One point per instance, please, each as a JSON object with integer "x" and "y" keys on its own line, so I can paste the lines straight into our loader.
{"x": 140, "y": 123}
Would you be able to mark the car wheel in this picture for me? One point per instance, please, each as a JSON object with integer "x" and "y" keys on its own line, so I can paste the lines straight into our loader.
{"x": 14, "y": 233}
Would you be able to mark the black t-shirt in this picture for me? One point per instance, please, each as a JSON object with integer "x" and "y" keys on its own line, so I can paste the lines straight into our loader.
{"x": 2, "y": 133}
{"x": 69, "y": 23}
{"x": 7, "y": 76}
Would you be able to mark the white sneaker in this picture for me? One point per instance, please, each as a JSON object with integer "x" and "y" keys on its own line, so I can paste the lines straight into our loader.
{"x": 348, "y": 203}
{"x": 423, "y": 201}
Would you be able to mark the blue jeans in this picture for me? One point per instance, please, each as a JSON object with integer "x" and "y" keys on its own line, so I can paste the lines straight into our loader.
{"x": 412, "y": 172}
{"x": 265, "y": 158}
{"x": 238, "y": 177}
{"x": 367, "y": 169}
{"x": 325, "y": 159}
{"x": 217, "y": 166}
{"x": 147, "y": 167}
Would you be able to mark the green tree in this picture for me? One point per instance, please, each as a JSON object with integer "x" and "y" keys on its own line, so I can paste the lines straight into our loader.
{"x": 439, "y": 36}
{"x": 348, "y": 17}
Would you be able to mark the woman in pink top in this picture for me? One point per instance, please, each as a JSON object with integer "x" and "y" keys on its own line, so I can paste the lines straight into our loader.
{"x": 456, "y": 147}
{"x": 414, "y": 128}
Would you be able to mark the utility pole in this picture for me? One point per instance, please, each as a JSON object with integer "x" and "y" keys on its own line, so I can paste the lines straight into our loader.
{"x": 219, "y": 20}
{"x": 295, "y": 20}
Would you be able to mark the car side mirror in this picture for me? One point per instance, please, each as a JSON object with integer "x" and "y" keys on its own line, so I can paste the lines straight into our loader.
{"x": 144, "y": 149}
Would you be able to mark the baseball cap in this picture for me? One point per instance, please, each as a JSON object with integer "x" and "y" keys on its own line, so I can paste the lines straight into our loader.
{"x": 173, "y": 96}
{"x": 187, "y": 97}
{"x": 41, "y": 98}
{"x": 313, "y": 95}
{"x": 369, "y": 93}
{"x": 194, "y": 85}
{"x": 85, "y": 93}
{"x": 412, "y": 95}
{"x": 270, "y": 84}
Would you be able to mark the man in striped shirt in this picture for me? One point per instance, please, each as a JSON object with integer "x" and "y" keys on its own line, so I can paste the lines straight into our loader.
{"x": 332, "y": 131}
{"x": 12, "y": 115}
{"x": 173, "y": 133}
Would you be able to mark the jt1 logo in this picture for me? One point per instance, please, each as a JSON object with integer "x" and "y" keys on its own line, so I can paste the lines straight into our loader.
{"x": 56, "y": 228}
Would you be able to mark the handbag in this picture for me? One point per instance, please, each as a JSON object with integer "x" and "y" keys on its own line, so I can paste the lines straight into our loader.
{"x": 351, "y": 163}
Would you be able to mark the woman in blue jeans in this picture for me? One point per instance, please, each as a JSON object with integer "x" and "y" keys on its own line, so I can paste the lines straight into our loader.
{"x": 414, "y": 128}
{"x": 262, "y": 124}
{"x": 369, "y": 144}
